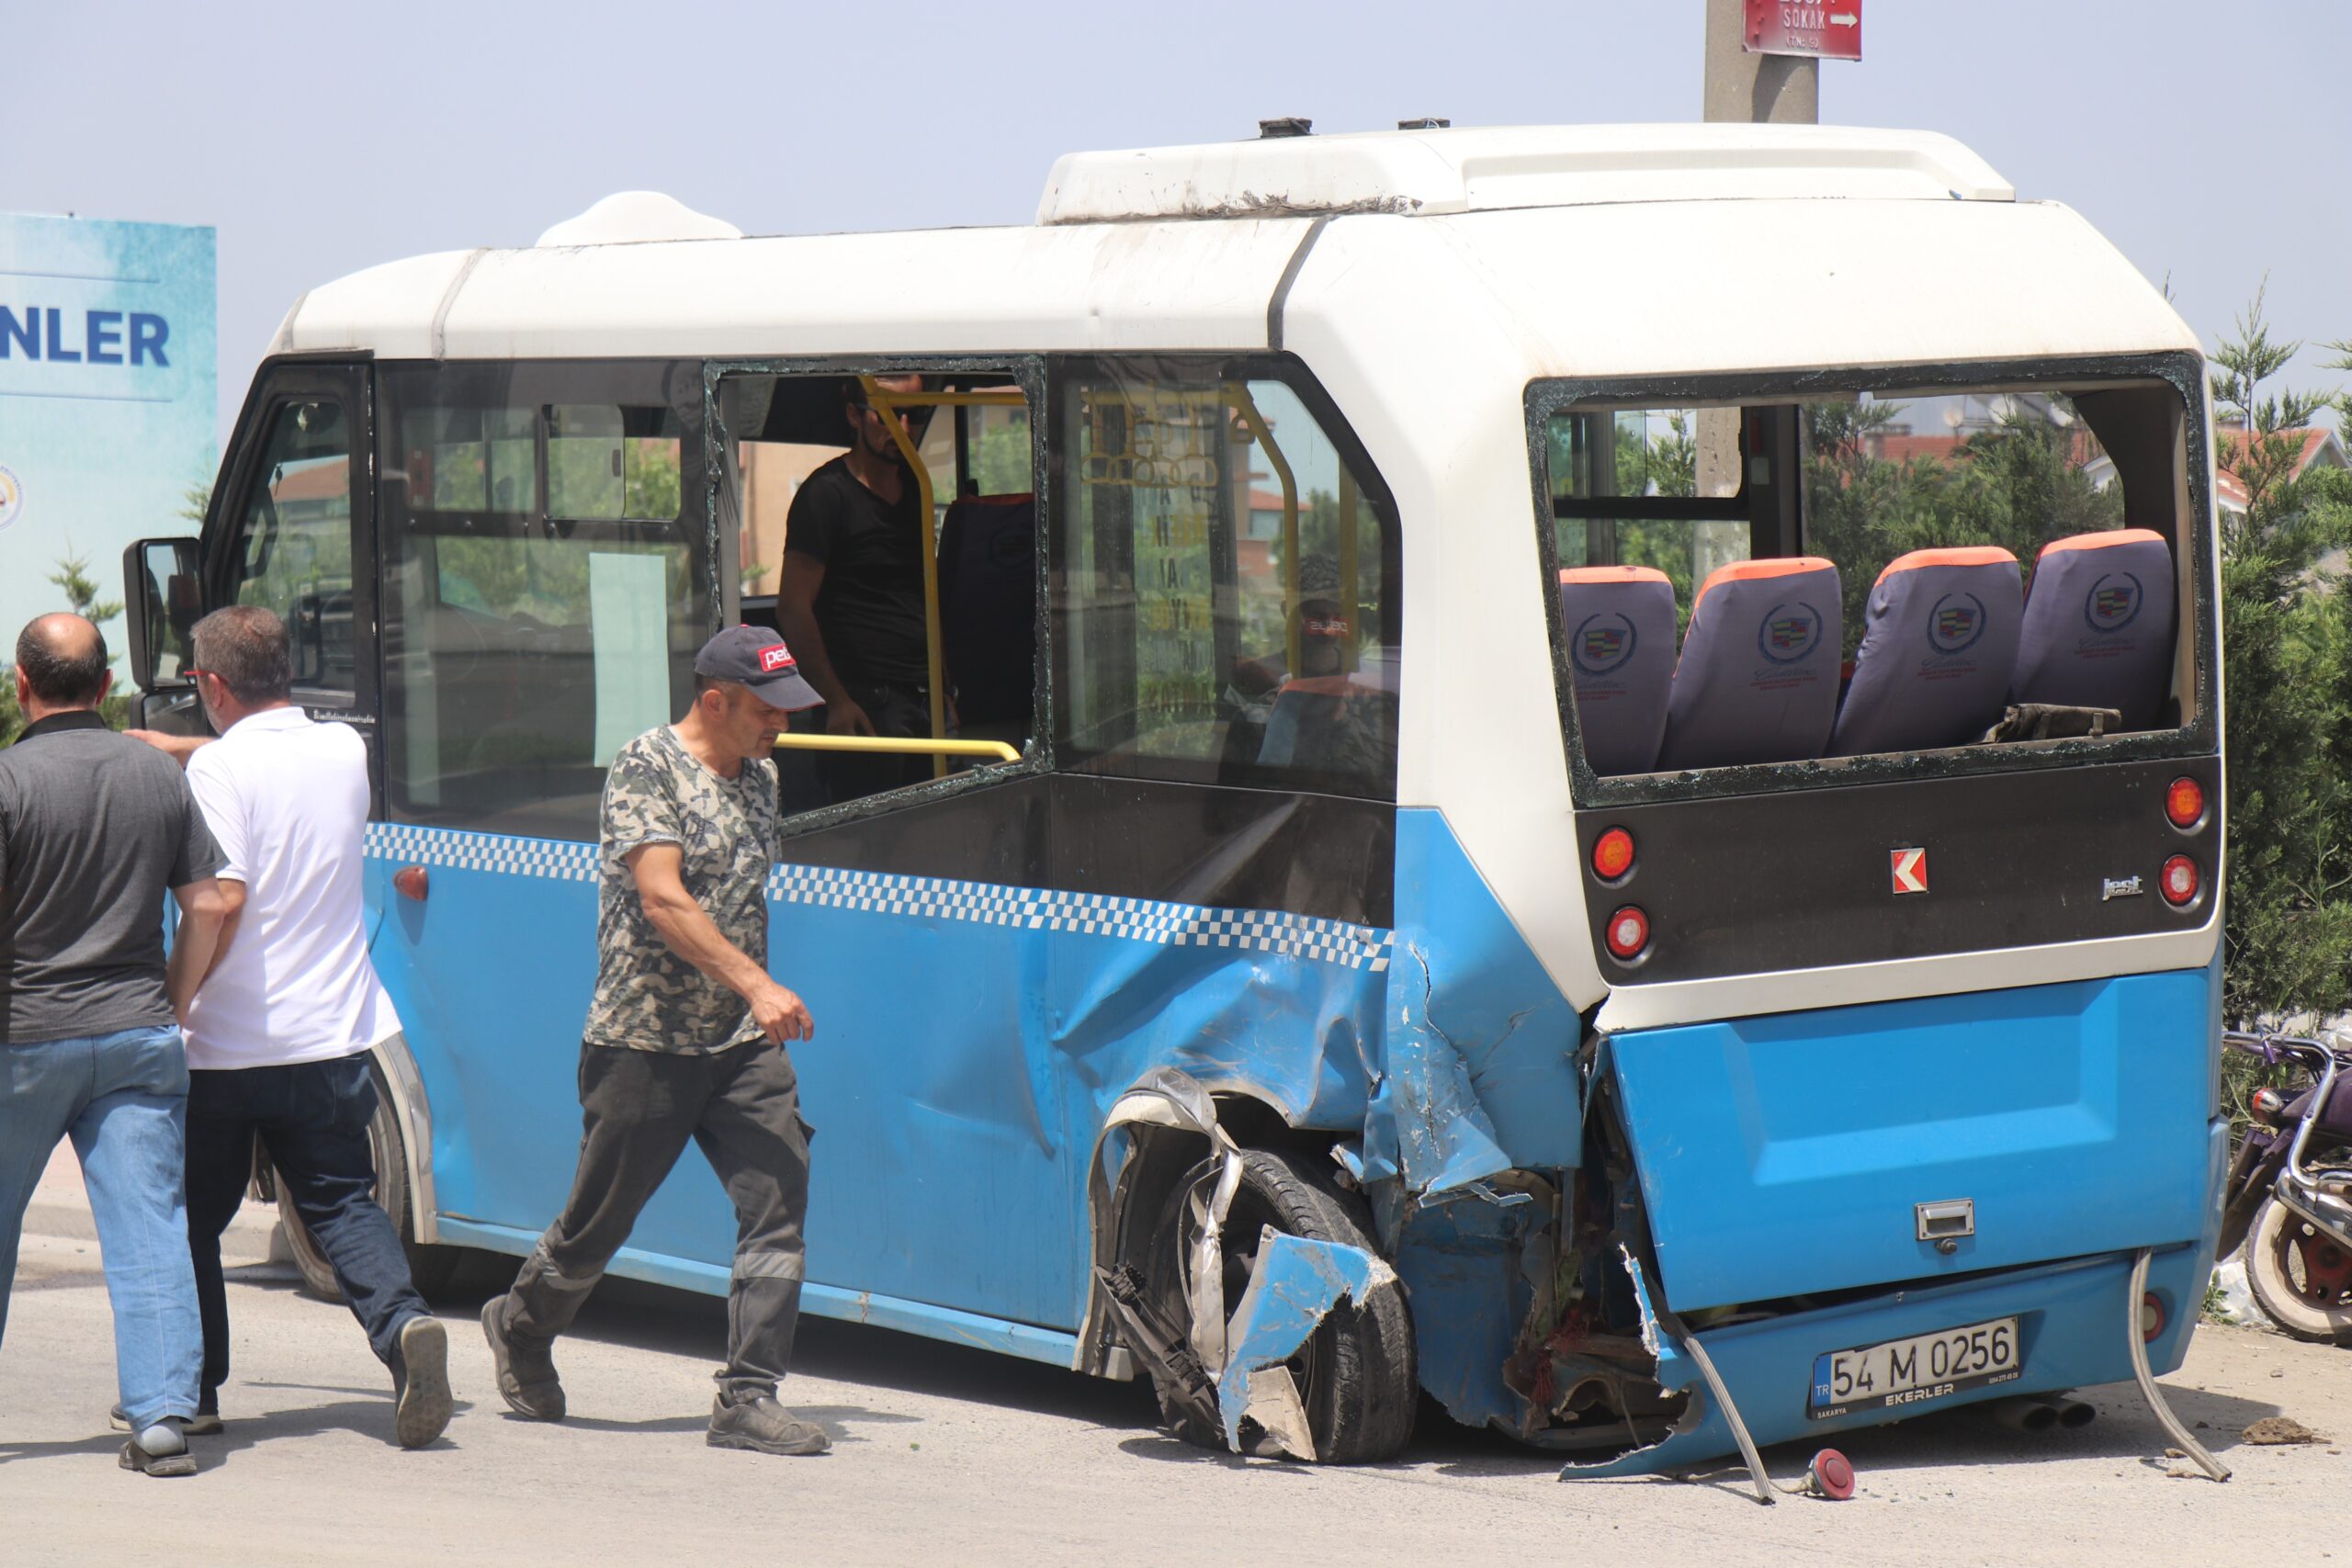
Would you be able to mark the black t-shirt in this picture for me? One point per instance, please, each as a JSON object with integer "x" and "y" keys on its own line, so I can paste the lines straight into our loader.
{"x": 94, "y": 828}
{"x": 869, "y": 608}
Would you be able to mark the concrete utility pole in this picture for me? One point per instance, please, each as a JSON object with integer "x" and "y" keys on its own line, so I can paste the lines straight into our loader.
{"x": 1755, "y": 89}
{"x": 1741, "y": 89}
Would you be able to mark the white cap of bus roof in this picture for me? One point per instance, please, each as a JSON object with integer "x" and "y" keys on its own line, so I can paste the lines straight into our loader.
{"x": 633, "y": 217}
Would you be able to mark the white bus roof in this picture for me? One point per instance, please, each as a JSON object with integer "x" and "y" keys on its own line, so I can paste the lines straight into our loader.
{"x": 1425, "y": 172}
{"x": 1618, "y": 250}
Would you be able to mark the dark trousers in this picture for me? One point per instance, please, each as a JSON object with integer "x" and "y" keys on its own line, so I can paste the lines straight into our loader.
{"x": 311, "y": 1118}
{"x": 898, "y": 710}
{"x": 742, "y": 1106}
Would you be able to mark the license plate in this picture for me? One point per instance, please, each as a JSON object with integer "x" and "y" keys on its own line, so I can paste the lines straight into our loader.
{"x": 1908, "y": 1371}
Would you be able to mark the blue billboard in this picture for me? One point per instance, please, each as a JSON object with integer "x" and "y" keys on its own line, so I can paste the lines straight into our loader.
{"x": 106, "y": 400}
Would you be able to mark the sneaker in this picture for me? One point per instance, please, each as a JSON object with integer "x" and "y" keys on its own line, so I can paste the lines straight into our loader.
{"x": 526, "y": 1378}
{"x": 159, "y": 1450}
{"x": 420, "y": 1382}
{"x": 204, "y": 1423}
{"x": 763, "y": 1425}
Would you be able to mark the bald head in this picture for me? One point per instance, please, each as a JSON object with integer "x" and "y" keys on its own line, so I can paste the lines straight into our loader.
{"x": 63, "y": 660}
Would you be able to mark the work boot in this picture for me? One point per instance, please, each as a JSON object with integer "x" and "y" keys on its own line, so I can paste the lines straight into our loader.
{"x": 526, "y": 1378}
{"x": 763, "y": 1425}
{"x": 159, "y": 1450}
{"x": 421, "y": 1382}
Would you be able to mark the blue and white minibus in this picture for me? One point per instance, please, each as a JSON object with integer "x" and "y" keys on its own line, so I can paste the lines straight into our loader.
{"x": 1592, "y": 786}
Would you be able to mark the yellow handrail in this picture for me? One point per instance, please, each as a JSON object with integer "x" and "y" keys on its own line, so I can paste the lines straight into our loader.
{"x": 887, "y": 404}
{"x": 1237, "y": 394}
{"x": 909, "y": 746}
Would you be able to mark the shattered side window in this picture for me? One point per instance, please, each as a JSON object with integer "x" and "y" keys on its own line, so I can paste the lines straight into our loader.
{"x": 1792, "y": 578}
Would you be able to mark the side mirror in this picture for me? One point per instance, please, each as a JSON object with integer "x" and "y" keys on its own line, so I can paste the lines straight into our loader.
{"x": 161, "y": 602}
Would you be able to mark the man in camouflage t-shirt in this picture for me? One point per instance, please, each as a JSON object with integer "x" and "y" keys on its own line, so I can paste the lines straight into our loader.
{"x": 685, "y": 1039}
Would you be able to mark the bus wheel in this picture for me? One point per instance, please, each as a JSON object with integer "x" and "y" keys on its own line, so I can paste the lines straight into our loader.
{"x": 2301, "y": 1281}
{"x": 1355, "y": 1373}
{"x": 430, "y": 1268}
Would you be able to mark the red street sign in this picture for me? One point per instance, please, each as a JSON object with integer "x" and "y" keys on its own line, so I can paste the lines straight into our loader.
{"x": 1823, "y": 29}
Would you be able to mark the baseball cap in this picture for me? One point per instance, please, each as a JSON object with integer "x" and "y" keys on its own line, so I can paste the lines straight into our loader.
{"x": 756, "y": 659}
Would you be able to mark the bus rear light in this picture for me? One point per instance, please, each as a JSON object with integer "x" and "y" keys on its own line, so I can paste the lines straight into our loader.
{"x": 1628, "y": 933}
{"x": 1612, "y": 855}
{"x": 2178, "y": 882}
{"x": 411, "y": 882}
{"x": 2152, "y": 1317}
{"x": 2185, "y": 804}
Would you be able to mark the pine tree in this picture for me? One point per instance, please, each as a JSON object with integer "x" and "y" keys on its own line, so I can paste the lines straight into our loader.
{"x": 2288, "y": 678}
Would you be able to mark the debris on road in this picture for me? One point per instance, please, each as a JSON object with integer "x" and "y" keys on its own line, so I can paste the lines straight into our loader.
{"x": 2276, "y": 1429}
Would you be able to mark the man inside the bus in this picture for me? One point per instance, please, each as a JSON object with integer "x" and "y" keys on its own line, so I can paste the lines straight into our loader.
{"x": 1248, "y": 701}
{"x": 850, "y": 600}
{"x": 1318, "y": 715}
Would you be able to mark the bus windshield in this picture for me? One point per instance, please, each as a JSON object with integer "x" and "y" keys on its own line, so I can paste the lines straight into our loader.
{"x": 1799, "y": 578}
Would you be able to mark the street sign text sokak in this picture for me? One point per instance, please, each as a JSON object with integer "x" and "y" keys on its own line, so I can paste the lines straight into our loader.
{"x": 1830, "y": 30}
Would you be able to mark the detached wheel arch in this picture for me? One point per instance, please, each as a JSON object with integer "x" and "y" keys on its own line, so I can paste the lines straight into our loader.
{"x": 1357, "y": 1374}
{"x": 430, "y": 1268}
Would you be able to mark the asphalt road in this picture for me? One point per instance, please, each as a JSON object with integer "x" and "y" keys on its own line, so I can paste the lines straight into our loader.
{"x": 945, "y": 1455}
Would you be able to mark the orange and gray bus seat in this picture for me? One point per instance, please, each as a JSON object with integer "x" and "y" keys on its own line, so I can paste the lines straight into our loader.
{"x": 988, "y": 611}
{"x": 1619, "y": 622}
{"x": 1758, "y": 679}
{"x": 1939, "y": 645}
{"x": 2098, "y": 625}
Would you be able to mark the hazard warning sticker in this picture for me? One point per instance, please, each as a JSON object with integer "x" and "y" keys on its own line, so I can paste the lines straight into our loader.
{"x": 1910, "y": 871}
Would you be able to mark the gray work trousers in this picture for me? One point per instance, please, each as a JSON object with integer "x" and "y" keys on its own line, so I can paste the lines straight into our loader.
{"x": 743, "y": 1105}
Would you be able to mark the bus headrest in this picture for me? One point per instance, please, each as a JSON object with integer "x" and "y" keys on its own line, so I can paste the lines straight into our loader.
{"x": 1758, "y": 679}
{"x": 1940, "y": 641}
{"x": 1619, "y": 621}
{"x": 2098, "y": 625}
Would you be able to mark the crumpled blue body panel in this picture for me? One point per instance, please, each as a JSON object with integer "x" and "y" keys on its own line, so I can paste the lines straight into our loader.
{"x": 1296, "y": 1284}
{"x": 1478, "y": 1048}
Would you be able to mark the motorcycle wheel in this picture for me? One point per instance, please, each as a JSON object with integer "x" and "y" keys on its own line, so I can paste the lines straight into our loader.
{"x": 2301, "y": 1281}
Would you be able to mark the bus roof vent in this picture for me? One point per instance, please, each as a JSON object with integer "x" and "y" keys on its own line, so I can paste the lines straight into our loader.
{"x": 632, "y": 217}
{"x": 1433, "y": 169}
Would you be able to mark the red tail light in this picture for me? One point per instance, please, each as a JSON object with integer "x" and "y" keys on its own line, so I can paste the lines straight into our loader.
{"x": 2152, "y": 1317}
{"x": 2179, "y": 881}
{"x": 2266, "y": 1106}
{"x": 2185, "y": 803}
{"x": 1628, "y": 933}
{"x": 1612, "y": 855}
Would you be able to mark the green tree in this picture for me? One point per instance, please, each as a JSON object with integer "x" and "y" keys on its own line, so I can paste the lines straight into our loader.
{"x": 2288, "y": 699}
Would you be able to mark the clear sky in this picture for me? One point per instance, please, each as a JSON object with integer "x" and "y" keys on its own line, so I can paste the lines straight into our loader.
{"x": 2209, "y": 141}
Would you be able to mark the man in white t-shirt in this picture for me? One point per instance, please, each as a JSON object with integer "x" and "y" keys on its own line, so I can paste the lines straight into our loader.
{"x": 279, "y": 1034}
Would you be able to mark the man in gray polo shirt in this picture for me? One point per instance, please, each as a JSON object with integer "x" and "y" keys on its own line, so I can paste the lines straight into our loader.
{"x": 94, "y": 828}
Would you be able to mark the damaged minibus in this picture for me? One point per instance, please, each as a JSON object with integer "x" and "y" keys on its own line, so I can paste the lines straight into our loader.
{"x": 1577, "y": 769}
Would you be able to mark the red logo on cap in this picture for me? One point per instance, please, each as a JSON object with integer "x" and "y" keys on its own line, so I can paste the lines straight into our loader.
{"x": 775, "y": 659}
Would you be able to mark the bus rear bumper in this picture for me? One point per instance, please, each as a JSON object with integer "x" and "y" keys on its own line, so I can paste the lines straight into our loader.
{"x": 2072, "y": 1320}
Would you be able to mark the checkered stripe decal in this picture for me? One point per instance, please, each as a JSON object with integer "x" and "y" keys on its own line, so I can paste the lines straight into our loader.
{"x": 929, "y": 898}
{"x": 1136, "y": 920}
{"x": 558, "y": 859}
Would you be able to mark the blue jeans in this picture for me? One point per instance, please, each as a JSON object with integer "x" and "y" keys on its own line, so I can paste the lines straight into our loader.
{"x": 122, "y": 1098}
{"x": 311, "y": 1118}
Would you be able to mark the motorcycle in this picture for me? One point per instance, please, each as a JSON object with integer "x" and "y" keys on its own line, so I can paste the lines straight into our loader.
{"x": 2289, "y": 1196}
